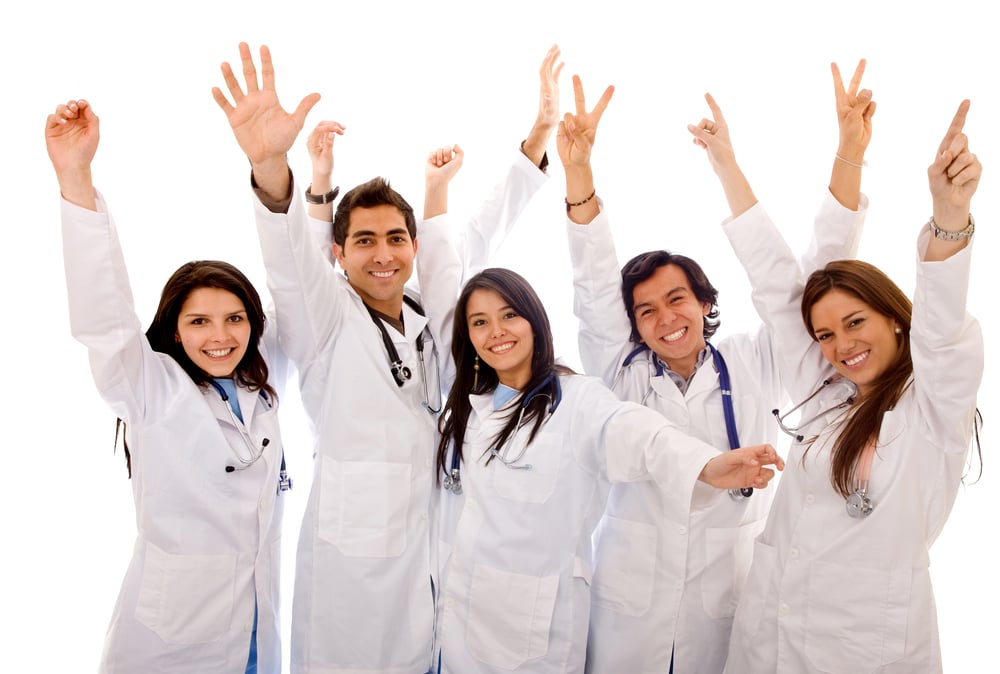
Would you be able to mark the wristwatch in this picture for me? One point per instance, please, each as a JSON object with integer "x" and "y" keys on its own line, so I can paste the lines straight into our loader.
{"x": 945, "y": 235}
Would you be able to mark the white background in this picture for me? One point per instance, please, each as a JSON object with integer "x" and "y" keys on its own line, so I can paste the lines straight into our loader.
{"x": 405, "y": 77}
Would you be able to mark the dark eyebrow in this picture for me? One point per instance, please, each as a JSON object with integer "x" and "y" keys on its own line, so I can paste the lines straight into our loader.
{"x": 842, "y": 320}
{"x": 391, "y": 232}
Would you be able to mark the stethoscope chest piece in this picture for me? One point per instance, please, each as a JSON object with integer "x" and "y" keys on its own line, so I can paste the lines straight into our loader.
{"x": 859, "y": 505}
{"x": 453, "y": 482}
{"x": 740, "y": 494}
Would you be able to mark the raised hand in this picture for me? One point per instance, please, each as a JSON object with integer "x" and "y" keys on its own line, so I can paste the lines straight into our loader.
{"x": 548, "y": 108}
{"x": 855, "y": 110}
{"x": 712, "y": 135}
{"x": 442, "y": 165}
{"x": 264, "y": 130}
{"x": 575, "y": 137}
{"x": 320, "y": 146}
{"x": 72, "y": 134}
{"x": 954, "y": 175}
{"x": 743, "y": 467}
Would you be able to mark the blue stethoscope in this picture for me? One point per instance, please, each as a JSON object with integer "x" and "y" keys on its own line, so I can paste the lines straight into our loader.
{"x": 284, "y": 482}
{"x": 728, "y": 413}
{"x": 453, "y": 480}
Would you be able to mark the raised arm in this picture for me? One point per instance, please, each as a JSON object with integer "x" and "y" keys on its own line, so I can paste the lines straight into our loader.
{"x": 855, "y": 110}
{"x": 72, "y": 134}
{"x": 442, "y": 165}
{"x": 320, "y": 194}
{"x": 575, "y": 141}
{"x": 713, "y": 136}
{"x": 953, "y": 177}
{"x": 263, "y": 129}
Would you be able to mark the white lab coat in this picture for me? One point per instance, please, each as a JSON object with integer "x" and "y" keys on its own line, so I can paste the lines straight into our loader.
{"x": 208, "y": 542}
{"x": 517, "y": 555}
{"x": 828, "y": 593}
{"x": 363, "y": 599}
{"x": 662, "y": 585}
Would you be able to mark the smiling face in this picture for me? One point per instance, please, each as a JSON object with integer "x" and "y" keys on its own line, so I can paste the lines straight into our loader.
{"x": 378, "y": 256}
{"x": 859, "y": 342}
{"x": 214, "y": 330}
{"x": 670, "y": 319}
{"x": 501, "y": 337}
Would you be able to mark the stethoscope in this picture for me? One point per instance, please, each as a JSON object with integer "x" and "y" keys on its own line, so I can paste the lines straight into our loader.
{"x": 728, "y": 413}
{"x": 400, "y": 373}
{"x": 859, "y": 504}
{"x": 453, "y": 480}
{"x": 284, "y": 482}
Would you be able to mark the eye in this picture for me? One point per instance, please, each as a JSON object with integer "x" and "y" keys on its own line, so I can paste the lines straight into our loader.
{"x": 855, "y": 322}
{"x": 400, "y": 240}
{"x": 675, "y": 300}
{"x": 645, "y": 311}
{"x": 823, "y": 336}
{"x": 510, "y": 314}
{"x": 477, "y": 322}
{"x": 197, "y": 321}
{"x": 236, "y": 319}
{"x": 363, "y": 241}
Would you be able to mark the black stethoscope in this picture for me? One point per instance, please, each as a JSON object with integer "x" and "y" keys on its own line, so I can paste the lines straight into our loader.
{"x": 400, "y": 373}
{"x": 728, "y": 413}
{"x": 859, "y": 504}
{"x": 284, "y": 482}
{"x": 453, "y": 480}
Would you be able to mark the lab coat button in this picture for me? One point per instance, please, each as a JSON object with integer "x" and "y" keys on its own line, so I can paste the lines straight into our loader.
{"x": 682, "y": 530}
{"x": 794, "y": 552}
{"x": 785, "y": 608}
{"x": 810, "y": 498}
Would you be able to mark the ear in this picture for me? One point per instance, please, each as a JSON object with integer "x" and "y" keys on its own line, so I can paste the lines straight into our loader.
{"x": 338, "y": 252}
{"x": 177, "y": 337}
{"x": 414, "y": 246}
{"x": 706, "y": 308}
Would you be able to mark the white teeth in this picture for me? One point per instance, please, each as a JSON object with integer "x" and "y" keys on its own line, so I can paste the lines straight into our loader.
{"x": 218, "y": 353}
{"x": 857, "y": 359}
{"x": 674, "y": 336}
{"x": 502, "y": 348}
{"x": 382, "y": 274}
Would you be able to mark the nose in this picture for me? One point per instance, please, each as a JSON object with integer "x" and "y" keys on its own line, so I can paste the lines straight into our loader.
{"x": 498, "y": 330}
{"x": 845, "y": 344}
{"x": 383, "y": 253}
{"x": 219, "y": 332}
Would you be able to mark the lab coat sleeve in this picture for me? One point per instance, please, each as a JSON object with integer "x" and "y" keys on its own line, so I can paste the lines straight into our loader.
{"x": 640, "y": 444}
{"x": 308, "y": 300}
{"x": 597, "y": 297}
{"x": 488, "y": 228}
{"x": 836, "y": 233}
{"x": 947, "y": 349}
{"x": 101, "y": 309}
{"x": 439, "y": 270}
{"x": 777, "y": 284}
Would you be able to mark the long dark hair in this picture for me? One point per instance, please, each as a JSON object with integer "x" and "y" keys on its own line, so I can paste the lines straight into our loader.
{"x": 251, "y": 371}
{"x": 868, "y": 284}
{"x": 521, "y": 297}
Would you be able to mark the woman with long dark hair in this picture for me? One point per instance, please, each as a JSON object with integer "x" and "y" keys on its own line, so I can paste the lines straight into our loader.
{"x": 201, "y": 432}
{"x": 840, "y": 579}
{"x": 528, "y": 453}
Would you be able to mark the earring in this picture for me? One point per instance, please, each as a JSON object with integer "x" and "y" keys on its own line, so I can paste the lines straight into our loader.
{"x": 899, "y": 331}
{"x": 475, "y": 377}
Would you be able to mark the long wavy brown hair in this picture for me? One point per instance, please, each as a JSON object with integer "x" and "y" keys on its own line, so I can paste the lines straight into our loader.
{"x": 863, "y": 422}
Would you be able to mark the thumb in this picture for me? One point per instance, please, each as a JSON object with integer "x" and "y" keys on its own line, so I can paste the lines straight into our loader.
{"x": 305, "y": 106}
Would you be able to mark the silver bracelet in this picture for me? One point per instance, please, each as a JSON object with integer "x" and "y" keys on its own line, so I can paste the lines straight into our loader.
{"x": 863, "y": 163}
{"x": 945, "y": 235}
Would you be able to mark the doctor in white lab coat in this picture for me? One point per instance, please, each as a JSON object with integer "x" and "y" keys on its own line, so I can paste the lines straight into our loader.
{"x": 530, "y": 451}
{"x": 840, "y": 579}
{"x": 665, "y": 591}
{"x": 364, "y": 599}
{"x": 201, "y": 592}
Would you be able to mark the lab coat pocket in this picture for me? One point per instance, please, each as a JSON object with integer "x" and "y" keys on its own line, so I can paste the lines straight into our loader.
{"x": 727, "y": 561}
{"x": 759, "y": 586}
{"x": 510, "y": 616}
{"x": 534, "y": 484}
{"x": 186, "y": 599}
{"x": 856, "y": 618}
{"x": 363, "y": 507}
{"x": 625, "y": 567}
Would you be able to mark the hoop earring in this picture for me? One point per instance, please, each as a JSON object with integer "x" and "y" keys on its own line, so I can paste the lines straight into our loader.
{"x": 475, "y": 377}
